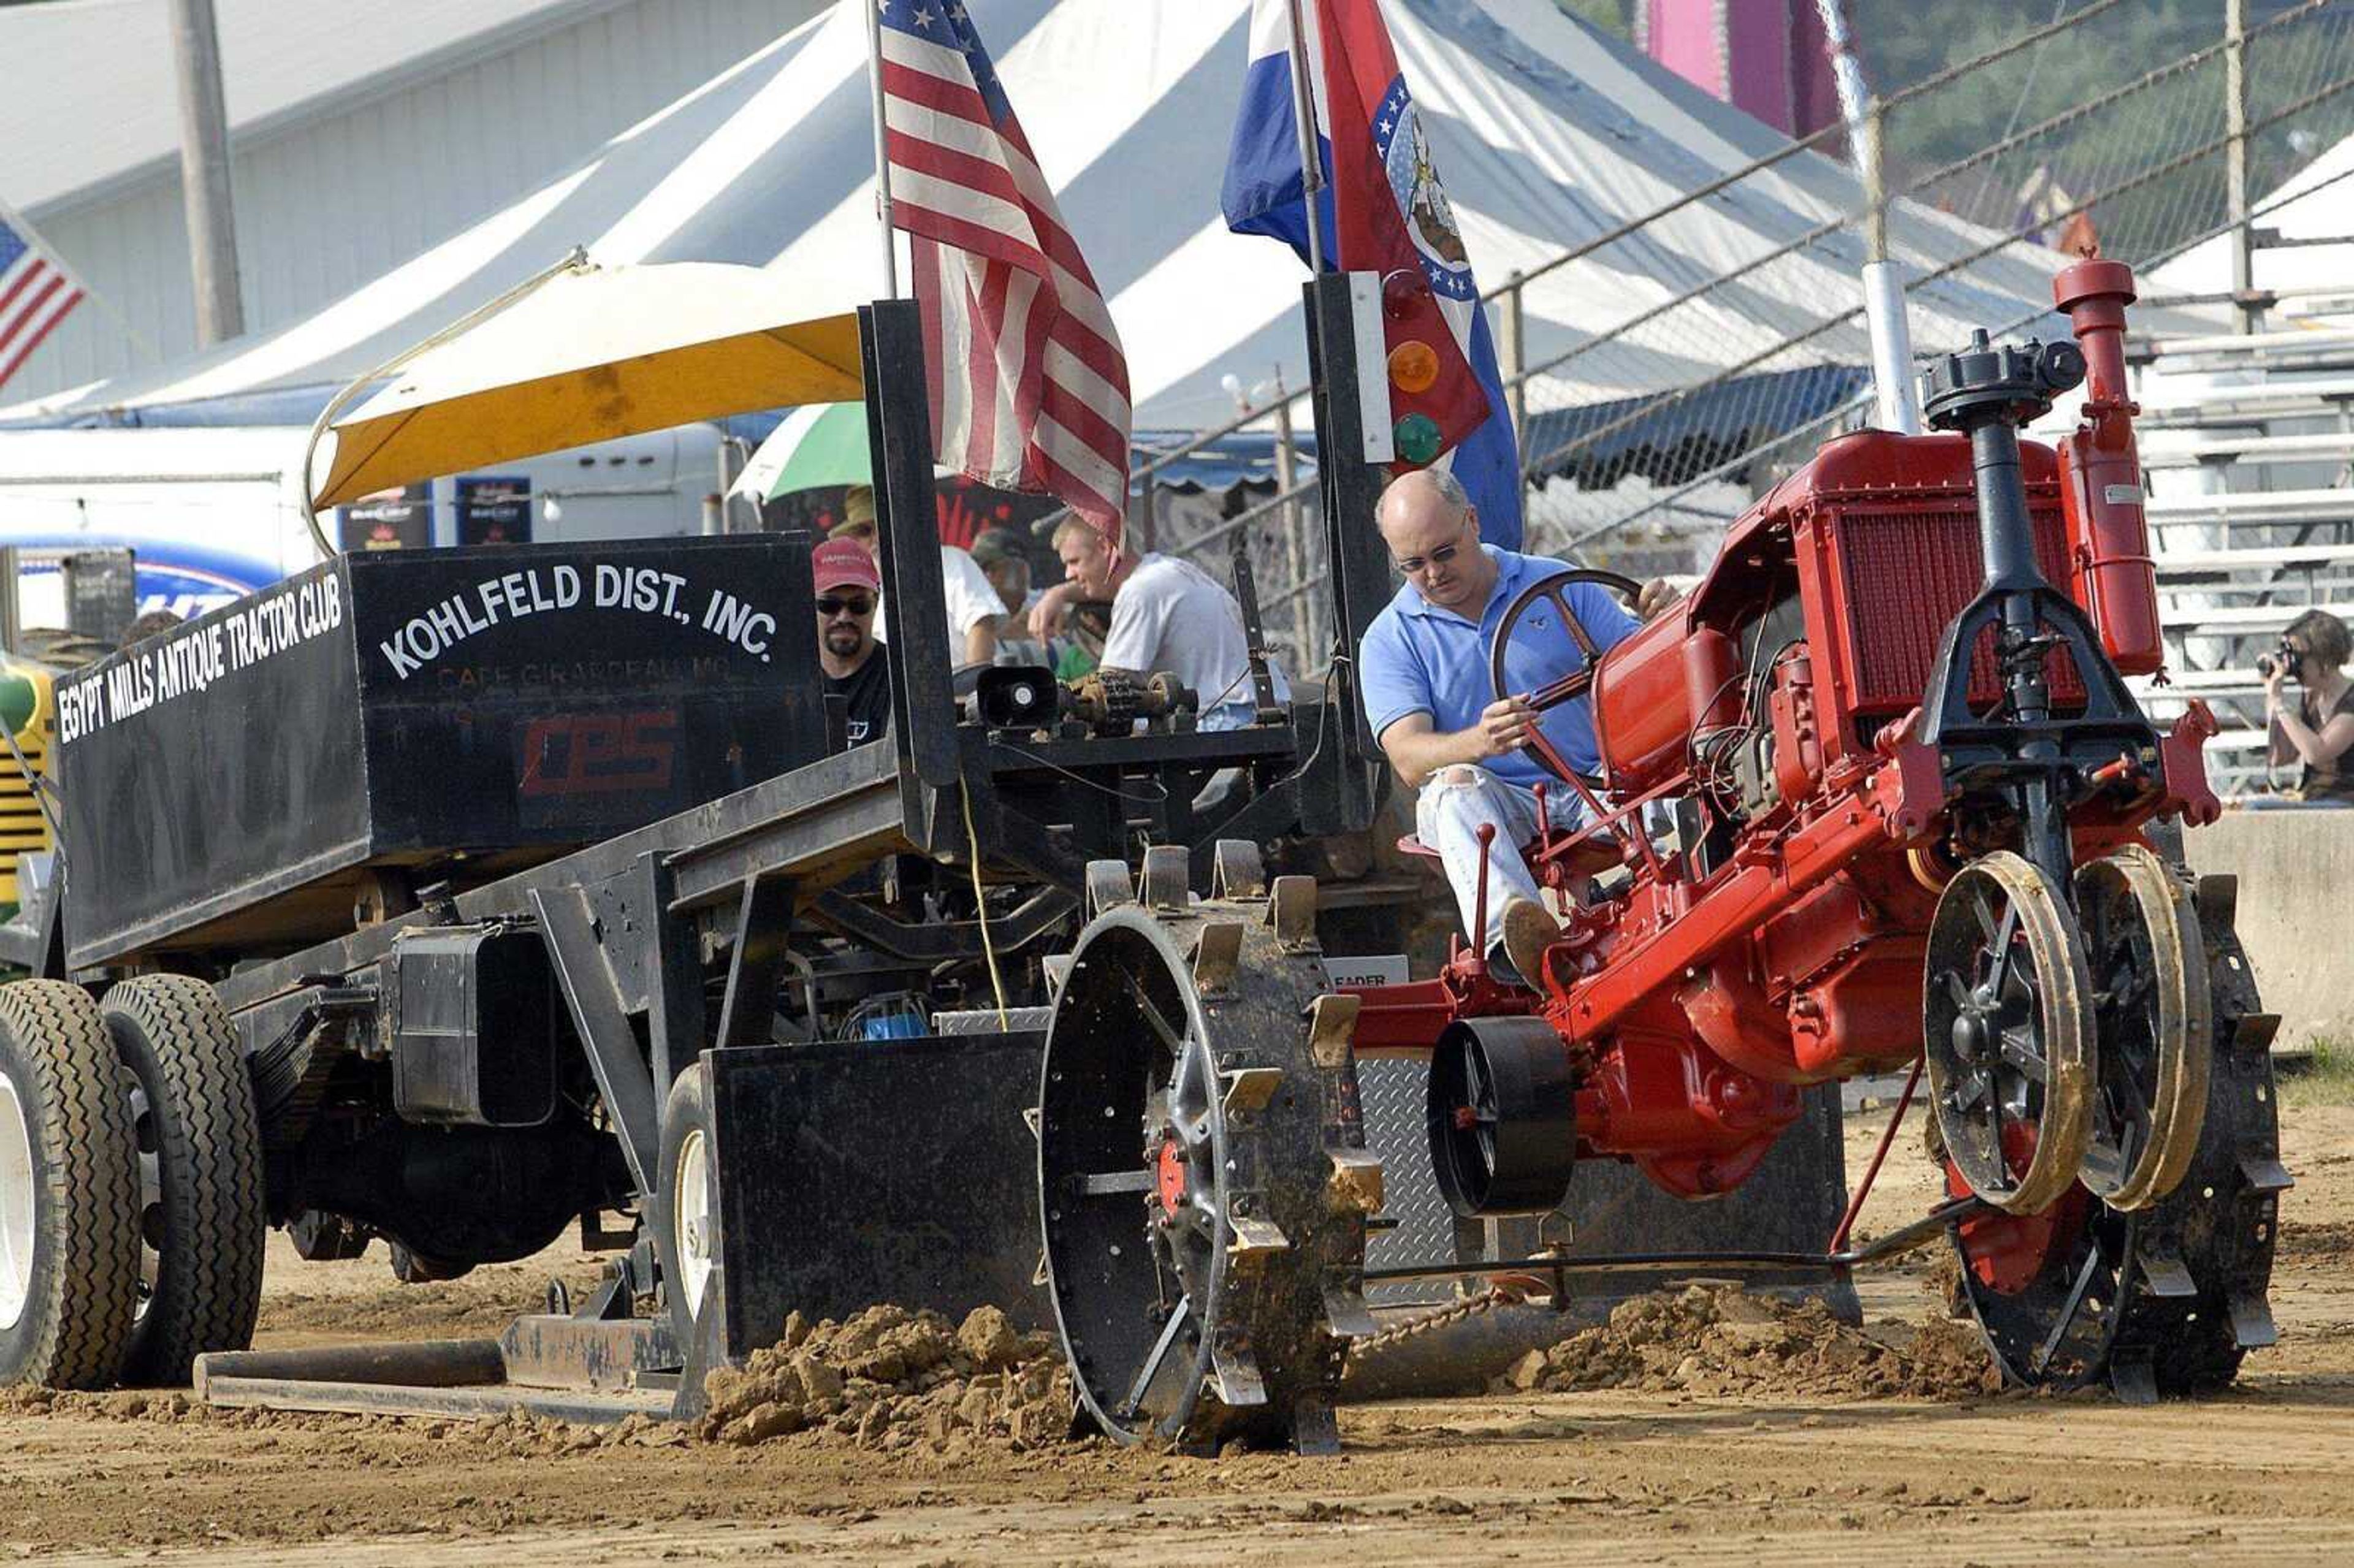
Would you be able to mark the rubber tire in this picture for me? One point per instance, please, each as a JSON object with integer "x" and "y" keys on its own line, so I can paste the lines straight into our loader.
{"x": 76, "y": 1325}
{"x": 687, "y": 1110}
{"x": 172, "y": 1032}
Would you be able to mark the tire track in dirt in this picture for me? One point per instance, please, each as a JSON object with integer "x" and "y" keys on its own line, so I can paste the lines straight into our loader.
{"x": 1621, "y": 1476}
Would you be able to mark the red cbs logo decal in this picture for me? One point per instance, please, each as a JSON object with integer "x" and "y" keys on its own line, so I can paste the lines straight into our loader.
{"x": 599, "y": 754}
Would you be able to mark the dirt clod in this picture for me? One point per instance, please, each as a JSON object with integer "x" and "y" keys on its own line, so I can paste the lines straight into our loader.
{"x": 892, "y": 1380}
{"x": 1723, "y": 1340}
{"x": 988, "y": 1336}
{"x": 767, "y": 1421}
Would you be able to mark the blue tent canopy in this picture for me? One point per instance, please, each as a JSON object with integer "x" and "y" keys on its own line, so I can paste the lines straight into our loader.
{"x": 1669, "y": 443}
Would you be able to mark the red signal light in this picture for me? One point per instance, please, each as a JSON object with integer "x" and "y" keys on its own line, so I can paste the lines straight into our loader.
{"x": 1404, "y": 292}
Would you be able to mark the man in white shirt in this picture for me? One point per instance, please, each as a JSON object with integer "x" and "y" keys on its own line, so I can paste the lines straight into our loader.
{"x": 1166, "y": 614}
{"x": 972, "y": 605}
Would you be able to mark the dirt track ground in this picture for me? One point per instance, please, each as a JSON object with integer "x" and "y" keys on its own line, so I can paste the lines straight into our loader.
{"x": 2263, "y": 1476}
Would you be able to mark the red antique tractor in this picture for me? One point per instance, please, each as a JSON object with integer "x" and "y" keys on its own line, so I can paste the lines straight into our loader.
{"x": 1874, "y": 796}
{"x": 1913, "y": 806}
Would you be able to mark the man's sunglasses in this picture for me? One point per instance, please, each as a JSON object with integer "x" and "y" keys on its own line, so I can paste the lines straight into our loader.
{"x": 1440, "y": 556}
{"x": 835, "y": 604}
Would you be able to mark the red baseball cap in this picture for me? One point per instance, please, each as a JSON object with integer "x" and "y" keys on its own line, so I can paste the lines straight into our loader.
{"x": 844, "y": 563}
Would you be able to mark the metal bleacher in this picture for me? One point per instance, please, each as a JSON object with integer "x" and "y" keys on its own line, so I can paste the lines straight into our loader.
{"x": 2252, "y": 450}
{"x": 2248, "y": 448}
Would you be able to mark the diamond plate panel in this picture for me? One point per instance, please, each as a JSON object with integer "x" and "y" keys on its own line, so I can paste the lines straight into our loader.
{"x": 1392, "y": 1092}
{"x": 1789, "y": 1205}
{"x": 989, "y": 1021}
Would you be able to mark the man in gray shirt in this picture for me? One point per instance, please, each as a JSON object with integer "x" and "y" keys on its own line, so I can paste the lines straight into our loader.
{"x": 1166, "y": 614}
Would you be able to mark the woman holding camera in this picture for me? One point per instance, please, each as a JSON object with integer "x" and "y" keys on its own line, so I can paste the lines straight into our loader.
{"x": 2317, "y": 727}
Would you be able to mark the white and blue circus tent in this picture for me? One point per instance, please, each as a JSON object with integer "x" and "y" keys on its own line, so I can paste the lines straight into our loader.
{"x": 2313, "y": 210}
{"x": 1546, "y": 135}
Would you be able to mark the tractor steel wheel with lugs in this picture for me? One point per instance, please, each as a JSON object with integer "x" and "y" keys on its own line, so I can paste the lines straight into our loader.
{"x": 2153, "y": 1011}
{"x": 1204, "y": 1184}
{"x": 2169, "y": 1299}
{"x": 2008, "y": 1033}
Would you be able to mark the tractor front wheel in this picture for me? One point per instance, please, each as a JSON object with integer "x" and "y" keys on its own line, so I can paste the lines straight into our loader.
{"x": 2169, "y": 1298}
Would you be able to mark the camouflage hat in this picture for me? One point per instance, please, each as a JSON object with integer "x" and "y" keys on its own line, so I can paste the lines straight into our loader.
{"x": 996, "y": 544}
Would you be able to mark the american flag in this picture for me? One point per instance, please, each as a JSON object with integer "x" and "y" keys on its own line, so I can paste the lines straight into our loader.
{"x": 36, "y": 292}
{"x": 1029, "y": 388}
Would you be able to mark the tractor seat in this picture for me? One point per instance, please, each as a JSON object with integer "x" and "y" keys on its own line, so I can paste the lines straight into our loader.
{"x": 1588, "y": 856}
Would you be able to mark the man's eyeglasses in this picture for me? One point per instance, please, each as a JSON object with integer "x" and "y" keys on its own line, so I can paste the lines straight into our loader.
{"x": 851, "y": 604}
{"x": 1440, "y": 556}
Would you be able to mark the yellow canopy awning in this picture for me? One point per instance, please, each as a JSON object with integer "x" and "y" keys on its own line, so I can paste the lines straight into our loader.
{"x": 594, "y": 353}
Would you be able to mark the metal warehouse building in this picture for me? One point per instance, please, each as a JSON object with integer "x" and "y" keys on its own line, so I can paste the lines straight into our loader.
{"x": 362, "y": 131}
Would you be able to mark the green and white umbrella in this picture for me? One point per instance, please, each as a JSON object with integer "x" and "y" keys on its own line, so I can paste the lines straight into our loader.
{"x": 819, "y": 445}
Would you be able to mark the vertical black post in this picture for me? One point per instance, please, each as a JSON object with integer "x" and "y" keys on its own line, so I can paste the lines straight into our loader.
{"x": 1347, "y": 487}
{"x": 2006, "y": 535}
{"x": 2006, "y": 543}
{"x": 675, "y": 1014}
{"x": 764, "y": 922}
{"x": 1253, "y": 631}
{"x": 899, "y": 437}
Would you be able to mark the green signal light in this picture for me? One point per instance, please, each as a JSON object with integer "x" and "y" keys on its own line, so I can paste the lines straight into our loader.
{"x": 1417, "y": 439}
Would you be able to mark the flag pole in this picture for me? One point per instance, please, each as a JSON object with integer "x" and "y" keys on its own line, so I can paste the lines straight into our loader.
{"x": 1897, "y": 390}
{"x": 1303, "y": 111}
{"x": 882, "y": 151}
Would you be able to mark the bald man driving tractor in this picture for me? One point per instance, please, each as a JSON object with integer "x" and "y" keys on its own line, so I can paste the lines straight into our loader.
{"x": 1482, "y": 752}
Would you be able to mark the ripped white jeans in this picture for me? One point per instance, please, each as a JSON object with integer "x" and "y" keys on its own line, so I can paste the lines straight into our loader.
{"x": 1447, "y": 813}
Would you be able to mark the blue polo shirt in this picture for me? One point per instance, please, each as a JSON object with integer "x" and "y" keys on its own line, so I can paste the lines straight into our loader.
{"x": 1420, "y": 659}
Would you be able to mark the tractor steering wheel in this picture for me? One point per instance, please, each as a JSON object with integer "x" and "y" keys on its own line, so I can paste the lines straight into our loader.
{"x": 1555, "y": 590}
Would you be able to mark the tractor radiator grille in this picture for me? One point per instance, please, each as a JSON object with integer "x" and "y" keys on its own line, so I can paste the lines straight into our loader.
{"x": 1910, "y": 567}
{"x": 21, "y": 825}
{"x": 23, "y": 830}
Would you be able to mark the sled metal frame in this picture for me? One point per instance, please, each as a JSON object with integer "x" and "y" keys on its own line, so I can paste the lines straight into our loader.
{"x": 1310, "y": 769}
{"x": 638, "y": 925}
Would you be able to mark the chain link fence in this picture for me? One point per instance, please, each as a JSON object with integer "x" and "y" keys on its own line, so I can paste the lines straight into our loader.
{"x": 2140, "y": 167}
{"x": 2056, "y": 136}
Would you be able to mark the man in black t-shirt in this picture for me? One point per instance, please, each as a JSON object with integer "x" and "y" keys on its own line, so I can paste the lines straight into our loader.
{"x": 856, "y": 665}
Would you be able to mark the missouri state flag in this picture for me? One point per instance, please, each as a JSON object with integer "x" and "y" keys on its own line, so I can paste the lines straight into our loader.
{"x": 1383, "y": 210}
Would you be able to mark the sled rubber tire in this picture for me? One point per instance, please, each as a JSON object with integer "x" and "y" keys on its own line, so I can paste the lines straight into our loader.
{"x": 75, "y": 1325}
{"x": 172, "y": 1032}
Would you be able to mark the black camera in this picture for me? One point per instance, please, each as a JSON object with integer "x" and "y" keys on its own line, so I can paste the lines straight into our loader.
{"x": 2282, "y": 657}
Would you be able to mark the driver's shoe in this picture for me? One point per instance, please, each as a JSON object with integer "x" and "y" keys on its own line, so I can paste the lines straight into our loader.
{"x": 1528, "y": 931}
